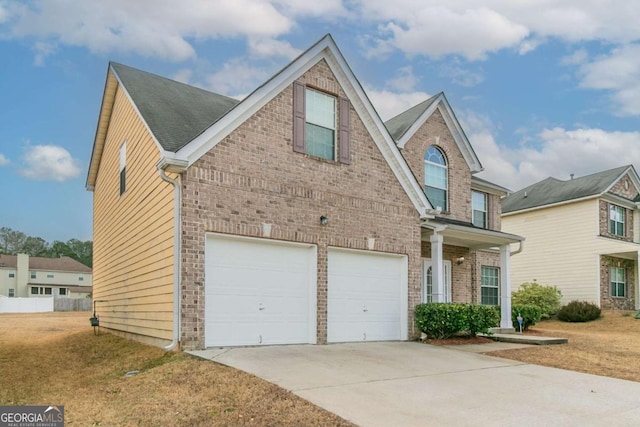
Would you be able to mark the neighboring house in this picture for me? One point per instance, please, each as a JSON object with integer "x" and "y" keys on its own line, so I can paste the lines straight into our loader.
{"x": 582, "y": 236}
{"x": 293, "y": 216}
{"x": 25, "y": 276}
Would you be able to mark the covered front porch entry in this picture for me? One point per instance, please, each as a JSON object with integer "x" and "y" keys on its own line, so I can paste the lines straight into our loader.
{"x": 458, "y": 257}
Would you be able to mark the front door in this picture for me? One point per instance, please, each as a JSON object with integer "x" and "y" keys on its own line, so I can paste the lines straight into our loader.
{"x": 427, "y": 280}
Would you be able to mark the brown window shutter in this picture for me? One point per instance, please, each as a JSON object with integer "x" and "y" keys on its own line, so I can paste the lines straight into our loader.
{"x": 344, "y": 153}
{"x": 298, "y": 118}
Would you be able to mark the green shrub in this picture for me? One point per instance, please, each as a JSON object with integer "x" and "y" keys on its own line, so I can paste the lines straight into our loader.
{"x": 443, "y": 320}
{"x": 545, "y": 297}
{"x": 531, "y": 314}
{"x": 579, "y": 311}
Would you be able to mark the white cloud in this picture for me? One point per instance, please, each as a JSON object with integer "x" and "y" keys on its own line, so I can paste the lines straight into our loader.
{"x": 557, "y": 152}
{"x": 236, "y": 77}
{"x": 472, "y": 33}
{"x": 42, "y": 50}
{"x": 389, "y": 104}
{"x": 183, "y": 75}
{"x": 49, "y": 163}
{"x": 405, "y": 80}
{"x": 147, "y": 27}
{"x": 578, "y": 57}
{"x": 462, "y": 76}
{"x": 619, "y": 73}
{"x": 315, "y": 8}
{"x": 265, "y": 47}
{"x": 460, "y": 27}
{"x": 3, "y": 160}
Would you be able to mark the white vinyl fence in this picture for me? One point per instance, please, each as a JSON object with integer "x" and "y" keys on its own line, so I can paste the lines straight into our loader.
{"x": 26, "y": 305}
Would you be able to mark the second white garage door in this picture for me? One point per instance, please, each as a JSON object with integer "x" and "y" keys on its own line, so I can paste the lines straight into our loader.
{"x": 367, "y": 296}
{"x": 259, "y": 291}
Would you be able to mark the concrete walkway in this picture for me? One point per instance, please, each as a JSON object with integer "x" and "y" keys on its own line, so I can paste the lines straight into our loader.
{"x": 413, "y": 384}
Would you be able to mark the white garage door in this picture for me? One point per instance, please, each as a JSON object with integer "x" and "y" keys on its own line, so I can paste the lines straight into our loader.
{"x": 259, "y": 291}
{"x": 367, "y": 296}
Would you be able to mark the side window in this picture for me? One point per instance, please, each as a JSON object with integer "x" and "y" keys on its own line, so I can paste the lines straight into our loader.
{"x": 479, "y": 207}
{"x": 321, "y": 124}
{"x": 490, "y": 285}
{"x": 616, "y": 220}
{"x": 123, "y": 168}
{"x": 436, "y": 181}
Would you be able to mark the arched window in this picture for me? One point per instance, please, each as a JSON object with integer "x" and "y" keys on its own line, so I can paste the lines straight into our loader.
{"x": 435, "y": 177}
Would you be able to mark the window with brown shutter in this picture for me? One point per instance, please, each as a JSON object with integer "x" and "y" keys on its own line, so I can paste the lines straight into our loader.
{"x": 314, "y": 124}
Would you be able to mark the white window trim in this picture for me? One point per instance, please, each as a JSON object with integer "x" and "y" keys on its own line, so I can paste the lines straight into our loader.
{"x": 622, "y": 211}
{"x": 426, "y": 263}
{"x": 490, "y": 286}
{"x": 335, "y": 121}
{"x": 486, "y": 208}
{"x": 611, "y": 281}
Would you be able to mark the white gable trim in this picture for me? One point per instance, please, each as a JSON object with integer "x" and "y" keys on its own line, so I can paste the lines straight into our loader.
{"x": 442, "y": 105}
{"x": 325, "y": 49}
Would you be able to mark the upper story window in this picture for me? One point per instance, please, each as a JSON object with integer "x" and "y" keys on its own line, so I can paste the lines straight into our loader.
{"x": 12, "y": 274}
{"x": 616, "y": 220}
{"x": 320, "y": 127}
{"x": 33, "y": 274}
{"x": 321, "y": 124}
{"x": 50, "y": 275}
{"x": 479, "y": 208}
{"x": 436, "y": 177}
{"x": 80, "y": 277}
{"x": 123, "y": 168}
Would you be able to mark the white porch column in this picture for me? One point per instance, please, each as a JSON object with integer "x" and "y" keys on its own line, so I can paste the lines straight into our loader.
{"x": 505, "y": 287}
{"x": 437, "y": 267}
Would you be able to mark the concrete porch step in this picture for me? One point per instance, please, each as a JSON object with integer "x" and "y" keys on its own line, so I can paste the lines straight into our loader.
{"x": 527, "y": 339}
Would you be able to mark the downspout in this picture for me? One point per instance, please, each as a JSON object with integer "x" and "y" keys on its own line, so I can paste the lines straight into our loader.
{"x": 520, "y": 248}
{"x": 177, "y": 197}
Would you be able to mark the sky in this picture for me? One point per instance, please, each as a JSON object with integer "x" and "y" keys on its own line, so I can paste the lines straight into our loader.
{"x": 542, "y": 88}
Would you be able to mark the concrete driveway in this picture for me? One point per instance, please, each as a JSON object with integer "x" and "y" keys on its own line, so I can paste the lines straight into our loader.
{"x": 412, "y": 384}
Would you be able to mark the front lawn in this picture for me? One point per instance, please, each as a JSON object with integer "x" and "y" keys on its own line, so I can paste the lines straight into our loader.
{"x": 54, "y": 359}
{"x": 609, "y": 346}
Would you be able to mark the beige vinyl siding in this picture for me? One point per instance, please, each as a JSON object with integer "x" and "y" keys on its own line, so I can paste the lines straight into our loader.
{"x": 561, "y": 248}
{"x": 133, "y": 232}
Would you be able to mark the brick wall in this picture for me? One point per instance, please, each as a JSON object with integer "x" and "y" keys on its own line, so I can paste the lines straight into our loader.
{"x": 461, "y": 279}
{"x": 607, "y": 302}
{"x": 625, "y": 188}
{"x": 435, "y": 132}
{"x": 495, "y": 212}
{"x": 604, "y": 207}
{"x": 254, "y": 177}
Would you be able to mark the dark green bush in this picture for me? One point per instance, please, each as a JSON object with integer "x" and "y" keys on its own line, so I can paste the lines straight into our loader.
{"x": 443, "y": 320}
{"x": 545, "y": 297}
{"x": 531, "y": 314}
{"x": 579, "y": 311}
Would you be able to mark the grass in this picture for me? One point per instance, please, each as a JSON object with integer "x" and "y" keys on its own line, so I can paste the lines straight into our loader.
{"x": 54, "y": 359}
{"x": 608, "y": 346}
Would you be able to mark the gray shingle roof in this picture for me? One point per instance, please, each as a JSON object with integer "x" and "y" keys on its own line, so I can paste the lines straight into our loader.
{"x": 400, "y": 124}
{"x": 552, "y": 190}
{"x": 175, "y": 112}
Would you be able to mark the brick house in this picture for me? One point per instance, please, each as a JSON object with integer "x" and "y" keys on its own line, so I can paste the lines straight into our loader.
{"x": 596, "y": 260}
{"x": 293, "y": 216}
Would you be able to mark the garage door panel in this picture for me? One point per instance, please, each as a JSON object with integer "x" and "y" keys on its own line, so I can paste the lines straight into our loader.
{"x": 258, "y": 291}
{"x": 366, "y": 293}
